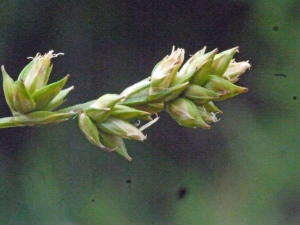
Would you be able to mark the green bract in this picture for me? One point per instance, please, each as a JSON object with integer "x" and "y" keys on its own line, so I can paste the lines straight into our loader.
{"x": 101, "y": 108}
{"x": 234, "y": 70}
{"x": 88, "y": 127}
{"x": 119, "y": 127}
{"x": 115, "y": 142}
{"x": 165, "y": 71}
{"x": 186, "y": 113}
{"x": 221, "y": 61}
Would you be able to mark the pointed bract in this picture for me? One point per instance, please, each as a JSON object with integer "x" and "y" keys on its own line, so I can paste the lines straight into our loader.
{"x": 208, "y": 117}
{"x": 201, "y": 67}
{"x": 186, "y": 113}
{"x": 221, "y": 61}
{"x": 46, "y": 94}
{"x": 8, "y": 87}
{"x": 137, "y": 89}
{"x": 210, "y": 107}
{"x": 89, "y": 129}
{"x": 100, "y": 109}
{"x": 196, "y": 92}
{"x": 235, "y": 70}
{"x": 168, "y": 94}
{"x": 164, "y": 71}
{"x": 127, "y": 113}
{"x": 23, "y": 101}
{"x": 113, "y": 125}
{"x": 36, "y": 74}
{"x": 58, "y": 100}
{"x": 223, "y": 87}
{"x": 184, "y": 69}
{"x": 115, "y": 142}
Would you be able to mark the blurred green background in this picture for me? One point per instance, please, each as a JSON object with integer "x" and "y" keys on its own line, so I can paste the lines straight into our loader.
{"x": 245, "y": 170}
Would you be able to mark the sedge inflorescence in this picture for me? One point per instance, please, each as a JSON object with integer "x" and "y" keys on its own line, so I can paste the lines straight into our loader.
{"x": 186, "y": 91}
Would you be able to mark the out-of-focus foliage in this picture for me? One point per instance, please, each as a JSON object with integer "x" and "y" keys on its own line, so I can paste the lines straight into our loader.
{"x": 243, "y": 171}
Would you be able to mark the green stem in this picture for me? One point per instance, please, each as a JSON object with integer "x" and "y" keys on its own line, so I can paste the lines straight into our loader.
{"x": 20, "y": 120}
{"x": 7, "y": 122}
{"x": 74, "y": 107}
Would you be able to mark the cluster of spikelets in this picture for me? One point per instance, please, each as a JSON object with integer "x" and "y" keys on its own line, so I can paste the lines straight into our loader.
{"x": 186, "y": 92}
{"x": 30, "y": 98}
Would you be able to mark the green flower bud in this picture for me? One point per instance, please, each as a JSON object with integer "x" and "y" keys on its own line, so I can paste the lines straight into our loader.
{"x": 201, "y": 74}
{"x": 223, "y": 87}
{"x": 201, "y": 67}
{"x": 115, "y": 142}
{"x": 101, "y": 108}
{"x": 235, "y": 70}
{"x": 46, "y": 94}
{"x": 184, "y": 112}
{"x": 184, "y": 69}
{"x": 23, "y": 102}
{"x": 8, "y": 87}
{"x": 196, "y": 69}
{"x": 165, "y": 70}
{"x": 196, "y": 92}
{"x": 116, "y": 126}
{"x": 31, "y": 92}
{"x": 90, "y": 130}
{"x": 36, "y": 73}
{"x": 221, "y": 61}
{"x": 127, "y": 113}
{"x": 58, "y": 100}
{"x": 210, "y": 107}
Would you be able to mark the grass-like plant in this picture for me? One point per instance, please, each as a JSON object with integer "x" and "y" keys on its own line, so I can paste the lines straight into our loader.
{"x": 187, "y": 92}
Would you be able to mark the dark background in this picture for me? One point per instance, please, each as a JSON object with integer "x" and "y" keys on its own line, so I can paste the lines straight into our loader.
{"x": 245, "y": 170}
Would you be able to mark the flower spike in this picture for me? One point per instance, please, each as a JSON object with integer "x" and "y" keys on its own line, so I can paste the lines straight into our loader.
{"x": 186, "y": 93}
